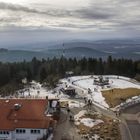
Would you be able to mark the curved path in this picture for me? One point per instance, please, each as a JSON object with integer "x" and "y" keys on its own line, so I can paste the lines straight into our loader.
{"x": 131, "y": 116}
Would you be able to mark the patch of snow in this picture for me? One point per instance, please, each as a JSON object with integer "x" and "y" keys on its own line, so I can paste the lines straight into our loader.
{"x": 117, "y": 77}
{"x": 120, "y": 83}
{"x": 37, "y": 91}
{"x": 73, "y": 104}
{"x": 90, "y": 122}
{"x": 135, "y": 97}
{"x": 50, "y": 137}
{"x": 127, "y": 103}
{"x": 80, "y": 114}
{"x": 128, "y": 100}
{"x": 86, "y": 121}
{"x": 95, "y": 137}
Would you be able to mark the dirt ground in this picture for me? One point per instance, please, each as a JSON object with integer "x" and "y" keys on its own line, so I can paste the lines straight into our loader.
{"x": 108, "y": 130}
{"x": 115, "y": 97}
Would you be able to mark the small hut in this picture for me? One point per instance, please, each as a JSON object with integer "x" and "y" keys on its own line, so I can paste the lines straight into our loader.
{"x": 69, "y": 73}
{"x": 69, "y": 91}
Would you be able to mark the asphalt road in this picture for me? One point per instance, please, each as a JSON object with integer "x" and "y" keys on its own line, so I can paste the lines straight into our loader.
{"x": 134, "y": 128}
{"x": 124, "y": 132}
{"x": 66, "y": 129}
{"x": 130, "y": 115}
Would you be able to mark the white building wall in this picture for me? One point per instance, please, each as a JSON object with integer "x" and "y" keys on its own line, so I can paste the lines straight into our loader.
{"x": 28, "y": 135}
{"x": 6, "y": 136}
{"x": 24, "y": 136}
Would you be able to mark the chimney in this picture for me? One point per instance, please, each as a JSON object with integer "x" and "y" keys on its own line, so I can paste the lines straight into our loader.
{"x": 17, "y": 107}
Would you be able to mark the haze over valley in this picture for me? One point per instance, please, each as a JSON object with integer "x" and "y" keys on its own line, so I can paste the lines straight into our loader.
{"x": 116, "y": 48}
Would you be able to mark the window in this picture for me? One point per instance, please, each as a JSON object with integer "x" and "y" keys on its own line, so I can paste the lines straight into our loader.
{"x": 4, "y": 132}
{"x": 38, "y": 131}
{"x": 20, "y": 131}
{"x": 31, "y": 131}
{"x": 17, "y": 130}
{"x": 7, "y": 132}
{"x": 35, "y": 131}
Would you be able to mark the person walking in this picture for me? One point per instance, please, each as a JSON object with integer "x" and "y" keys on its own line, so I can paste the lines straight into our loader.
{"x": 85, "y": 100}
{"x": 68, "y": 110}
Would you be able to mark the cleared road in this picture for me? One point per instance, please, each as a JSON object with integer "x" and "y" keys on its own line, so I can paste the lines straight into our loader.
{"x": 132, "y": 117}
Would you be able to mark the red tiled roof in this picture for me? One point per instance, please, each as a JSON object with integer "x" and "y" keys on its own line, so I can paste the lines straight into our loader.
{"x": 30, "y": 115}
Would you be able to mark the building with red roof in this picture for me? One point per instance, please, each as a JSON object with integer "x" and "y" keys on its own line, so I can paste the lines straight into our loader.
{"x": 24, "y": 119}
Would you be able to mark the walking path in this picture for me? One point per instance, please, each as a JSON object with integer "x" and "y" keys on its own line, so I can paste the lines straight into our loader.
{"x": 66, "y": 128}
{"x": 130, "y": 123}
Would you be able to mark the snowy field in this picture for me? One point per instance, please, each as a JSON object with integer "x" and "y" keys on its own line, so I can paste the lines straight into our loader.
{"x": 120, "y": 83}
{"x": 35, "y": 90}
{"x": 87, "y": 82}
{"x": 82, "y": 84}
{"x": 115, "y": 82}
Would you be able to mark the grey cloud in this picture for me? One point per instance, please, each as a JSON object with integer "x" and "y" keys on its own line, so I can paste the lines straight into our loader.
{"x": 10, "y": 19}
{"x": 110, "y": 14}
{"x": 77, "y": 26}
{"x": 94, "y": 14}
{"x": 13, "y": 7}
{"x": 91, "y": 13}
{"x": 18, "y": 8}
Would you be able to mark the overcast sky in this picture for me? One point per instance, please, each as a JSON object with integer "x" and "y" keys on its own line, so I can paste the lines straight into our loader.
{"x": 75, "y": 19}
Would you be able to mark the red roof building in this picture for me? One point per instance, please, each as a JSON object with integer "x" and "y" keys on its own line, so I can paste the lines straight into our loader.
{"x": 24, "y": 119}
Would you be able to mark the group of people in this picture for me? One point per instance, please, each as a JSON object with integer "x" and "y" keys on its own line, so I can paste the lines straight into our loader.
{"x": 88, "y": 102}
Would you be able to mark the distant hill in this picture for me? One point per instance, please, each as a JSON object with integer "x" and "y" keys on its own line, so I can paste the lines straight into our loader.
{"x": 78, "y": 52}
{"x": 116, "y": 48}
{"x": 3, "y": 50}
{"x": 19, "y": 55}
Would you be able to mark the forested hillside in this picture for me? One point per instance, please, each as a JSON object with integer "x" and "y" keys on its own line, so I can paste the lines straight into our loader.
{"x": 51, "y": 70}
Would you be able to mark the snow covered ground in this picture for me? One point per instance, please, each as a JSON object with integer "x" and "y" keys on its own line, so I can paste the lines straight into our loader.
{"x": 81, "y": 119}
{"x": 73, "y": 103}
{"x": 36, "y": 91}
{"x": 87, "y": 82}
{"x": 120, "y": 83}
{"x": 115, "y": 82}
{"x": 90, "y": 122}
{"x": 80, "y": 114}
{"x": 82, "y": 84}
